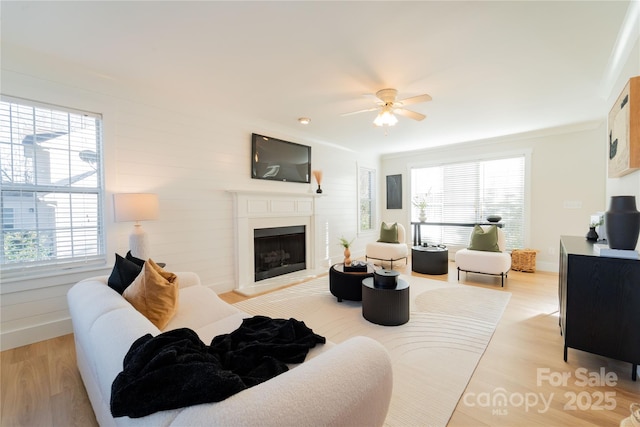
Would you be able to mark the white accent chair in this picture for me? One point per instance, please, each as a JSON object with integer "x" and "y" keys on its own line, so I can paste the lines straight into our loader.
{"x": 391, "y": 252}
{"x": 484, "y": 262}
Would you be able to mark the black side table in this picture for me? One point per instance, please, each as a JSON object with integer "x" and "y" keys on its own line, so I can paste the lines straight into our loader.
{"x": 385, "y": 306}
{"x": 347, "y": 285}
{"x": 430, "y": 260}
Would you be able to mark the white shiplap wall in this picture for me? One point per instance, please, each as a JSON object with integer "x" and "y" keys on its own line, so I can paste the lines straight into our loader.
{"x": 190, "y": 156}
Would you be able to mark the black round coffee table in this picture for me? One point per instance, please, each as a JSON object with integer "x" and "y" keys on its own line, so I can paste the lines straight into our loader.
{"x": 430, "y": 260}
{"x": 385, "y": 306}
{"x": 347, "y": 284}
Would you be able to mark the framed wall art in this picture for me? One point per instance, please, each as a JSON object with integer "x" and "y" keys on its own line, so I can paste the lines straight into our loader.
{"x": 394, "y": 191}
{"x": 624, "y": 131}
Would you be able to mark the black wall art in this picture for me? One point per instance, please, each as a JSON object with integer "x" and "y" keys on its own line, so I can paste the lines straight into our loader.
{"x": 394, "y": 191}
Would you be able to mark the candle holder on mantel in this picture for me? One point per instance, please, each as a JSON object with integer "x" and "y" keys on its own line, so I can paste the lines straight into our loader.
{"x": 317, "y": 174}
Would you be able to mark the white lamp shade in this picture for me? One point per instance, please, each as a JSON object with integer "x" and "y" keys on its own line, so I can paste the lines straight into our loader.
{"x": 135, "y": 207}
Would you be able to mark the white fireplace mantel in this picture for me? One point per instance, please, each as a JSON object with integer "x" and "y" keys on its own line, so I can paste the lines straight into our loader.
{"x": 259, "y": 209}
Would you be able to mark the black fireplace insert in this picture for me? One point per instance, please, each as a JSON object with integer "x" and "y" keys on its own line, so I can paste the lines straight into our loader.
{"x": 278, "y": 251}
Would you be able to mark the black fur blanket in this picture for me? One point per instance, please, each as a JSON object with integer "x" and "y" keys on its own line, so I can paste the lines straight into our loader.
{"x": 176, "y": 369}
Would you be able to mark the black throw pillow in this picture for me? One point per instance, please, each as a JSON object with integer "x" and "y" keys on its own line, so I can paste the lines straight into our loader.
{"x": 137, "y": 261}
{"x": 123, "y": 274}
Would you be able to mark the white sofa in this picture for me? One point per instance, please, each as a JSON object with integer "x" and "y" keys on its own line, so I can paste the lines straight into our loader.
{"x": 345, "y": 384}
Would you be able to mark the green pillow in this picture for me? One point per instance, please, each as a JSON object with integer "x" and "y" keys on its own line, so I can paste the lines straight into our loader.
{"x": 388, "y": 233}
{"x": 482, "y": 240}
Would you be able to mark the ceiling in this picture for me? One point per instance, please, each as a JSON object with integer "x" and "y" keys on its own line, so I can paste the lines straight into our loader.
{"x": 492, "y": 68}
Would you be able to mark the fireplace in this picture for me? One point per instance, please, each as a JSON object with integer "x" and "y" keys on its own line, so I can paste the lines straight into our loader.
{"x": 278, "y": 251}
{"x": 258, "y": 212}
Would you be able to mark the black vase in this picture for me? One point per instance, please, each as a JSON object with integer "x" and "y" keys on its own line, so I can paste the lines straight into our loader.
{"x": 592, "y": 236}
{"x": 622, "y": 222}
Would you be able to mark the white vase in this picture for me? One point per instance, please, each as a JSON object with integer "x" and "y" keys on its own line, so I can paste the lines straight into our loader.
{"x": 422, "y": 216}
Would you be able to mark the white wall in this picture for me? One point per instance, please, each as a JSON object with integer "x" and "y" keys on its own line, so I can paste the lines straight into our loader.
{"x": 567, "y": 180}
{"x": 190, "y": 155}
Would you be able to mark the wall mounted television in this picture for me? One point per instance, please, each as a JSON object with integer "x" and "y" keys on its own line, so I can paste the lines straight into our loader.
{"x": 277, "y": 160}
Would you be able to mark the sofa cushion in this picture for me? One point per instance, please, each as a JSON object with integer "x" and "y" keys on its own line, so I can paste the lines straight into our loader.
{"x": 123, "y": 274}
{"x": 386, "y": 251}
{"x": 388, "y": 233}
{"x": 484, "y": 240}
{"x": 154, "y": 293}
{"x": 201, "y": 306}
{"x": 483, "y": 261}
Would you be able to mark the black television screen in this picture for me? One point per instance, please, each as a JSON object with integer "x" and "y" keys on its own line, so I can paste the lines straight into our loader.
{"x": 278, "y": 160}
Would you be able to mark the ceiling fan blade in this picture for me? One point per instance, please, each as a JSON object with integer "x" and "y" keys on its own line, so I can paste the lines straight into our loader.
{"x": 410, "y": 114}
{"x": 415, "y": 99}
{"x": 360, "y": 111}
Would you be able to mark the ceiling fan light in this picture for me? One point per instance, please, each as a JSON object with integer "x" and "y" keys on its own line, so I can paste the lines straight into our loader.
{"x": 385, "y": 118}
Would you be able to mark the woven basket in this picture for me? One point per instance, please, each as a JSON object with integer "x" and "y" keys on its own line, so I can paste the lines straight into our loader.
{"x": 524, "y": 260}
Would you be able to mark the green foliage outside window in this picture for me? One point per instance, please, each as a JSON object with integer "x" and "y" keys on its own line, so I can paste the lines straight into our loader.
{"x": 365, "y": 215}
{"x": 22, "y": 246}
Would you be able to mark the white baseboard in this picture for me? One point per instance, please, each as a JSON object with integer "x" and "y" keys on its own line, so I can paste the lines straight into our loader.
{"x": 35, "y": 333}
{"x": 551, "y": 267}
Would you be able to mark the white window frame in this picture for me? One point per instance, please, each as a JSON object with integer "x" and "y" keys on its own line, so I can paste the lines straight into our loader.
{"x": 488, "y": 156}
{"x": 75, "y": 261}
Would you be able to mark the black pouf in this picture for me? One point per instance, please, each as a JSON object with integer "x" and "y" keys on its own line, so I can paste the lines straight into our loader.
{"x": 387, "y": 279}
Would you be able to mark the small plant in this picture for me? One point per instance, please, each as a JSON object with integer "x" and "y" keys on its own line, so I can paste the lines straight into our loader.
{"x": 594, "y": 224}
{"x": 345, "y": 243}
{"x": 420, "y": 200}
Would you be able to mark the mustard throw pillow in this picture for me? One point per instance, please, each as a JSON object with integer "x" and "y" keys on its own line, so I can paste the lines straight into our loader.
{"x": 388, "y": 233}
{"x": 154, "y": 293}
{"x": 482, "y": 240}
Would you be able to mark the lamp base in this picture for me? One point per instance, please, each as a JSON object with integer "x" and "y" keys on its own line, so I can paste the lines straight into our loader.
{"x": 139, "y": 243}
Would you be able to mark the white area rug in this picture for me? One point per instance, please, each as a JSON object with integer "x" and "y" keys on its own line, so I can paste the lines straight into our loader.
{"x": 433, "y": 355}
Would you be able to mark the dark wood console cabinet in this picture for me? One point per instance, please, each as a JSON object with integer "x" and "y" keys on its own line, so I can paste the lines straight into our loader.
{"x": 599, "y": 302}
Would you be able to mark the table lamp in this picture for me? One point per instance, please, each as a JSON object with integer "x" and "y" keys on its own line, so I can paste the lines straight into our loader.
{"x": 136, "y": 207}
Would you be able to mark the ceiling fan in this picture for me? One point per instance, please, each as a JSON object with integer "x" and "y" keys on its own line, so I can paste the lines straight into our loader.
{"x": 388, "y": 107}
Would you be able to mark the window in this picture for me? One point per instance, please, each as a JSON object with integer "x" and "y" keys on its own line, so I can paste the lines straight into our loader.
{"x": 366, "y": 199}
{"x": 470, "y": 192}
{"x": 51, "y": 189}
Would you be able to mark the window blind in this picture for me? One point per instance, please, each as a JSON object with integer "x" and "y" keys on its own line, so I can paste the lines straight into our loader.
{"x": 51, "y": 190}
{"x": 468, "y": 193}
{"x": 366, "y": 198}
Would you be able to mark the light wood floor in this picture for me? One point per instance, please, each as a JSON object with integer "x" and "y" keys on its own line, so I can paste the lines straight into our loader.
{"x": 41, "y": 385}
